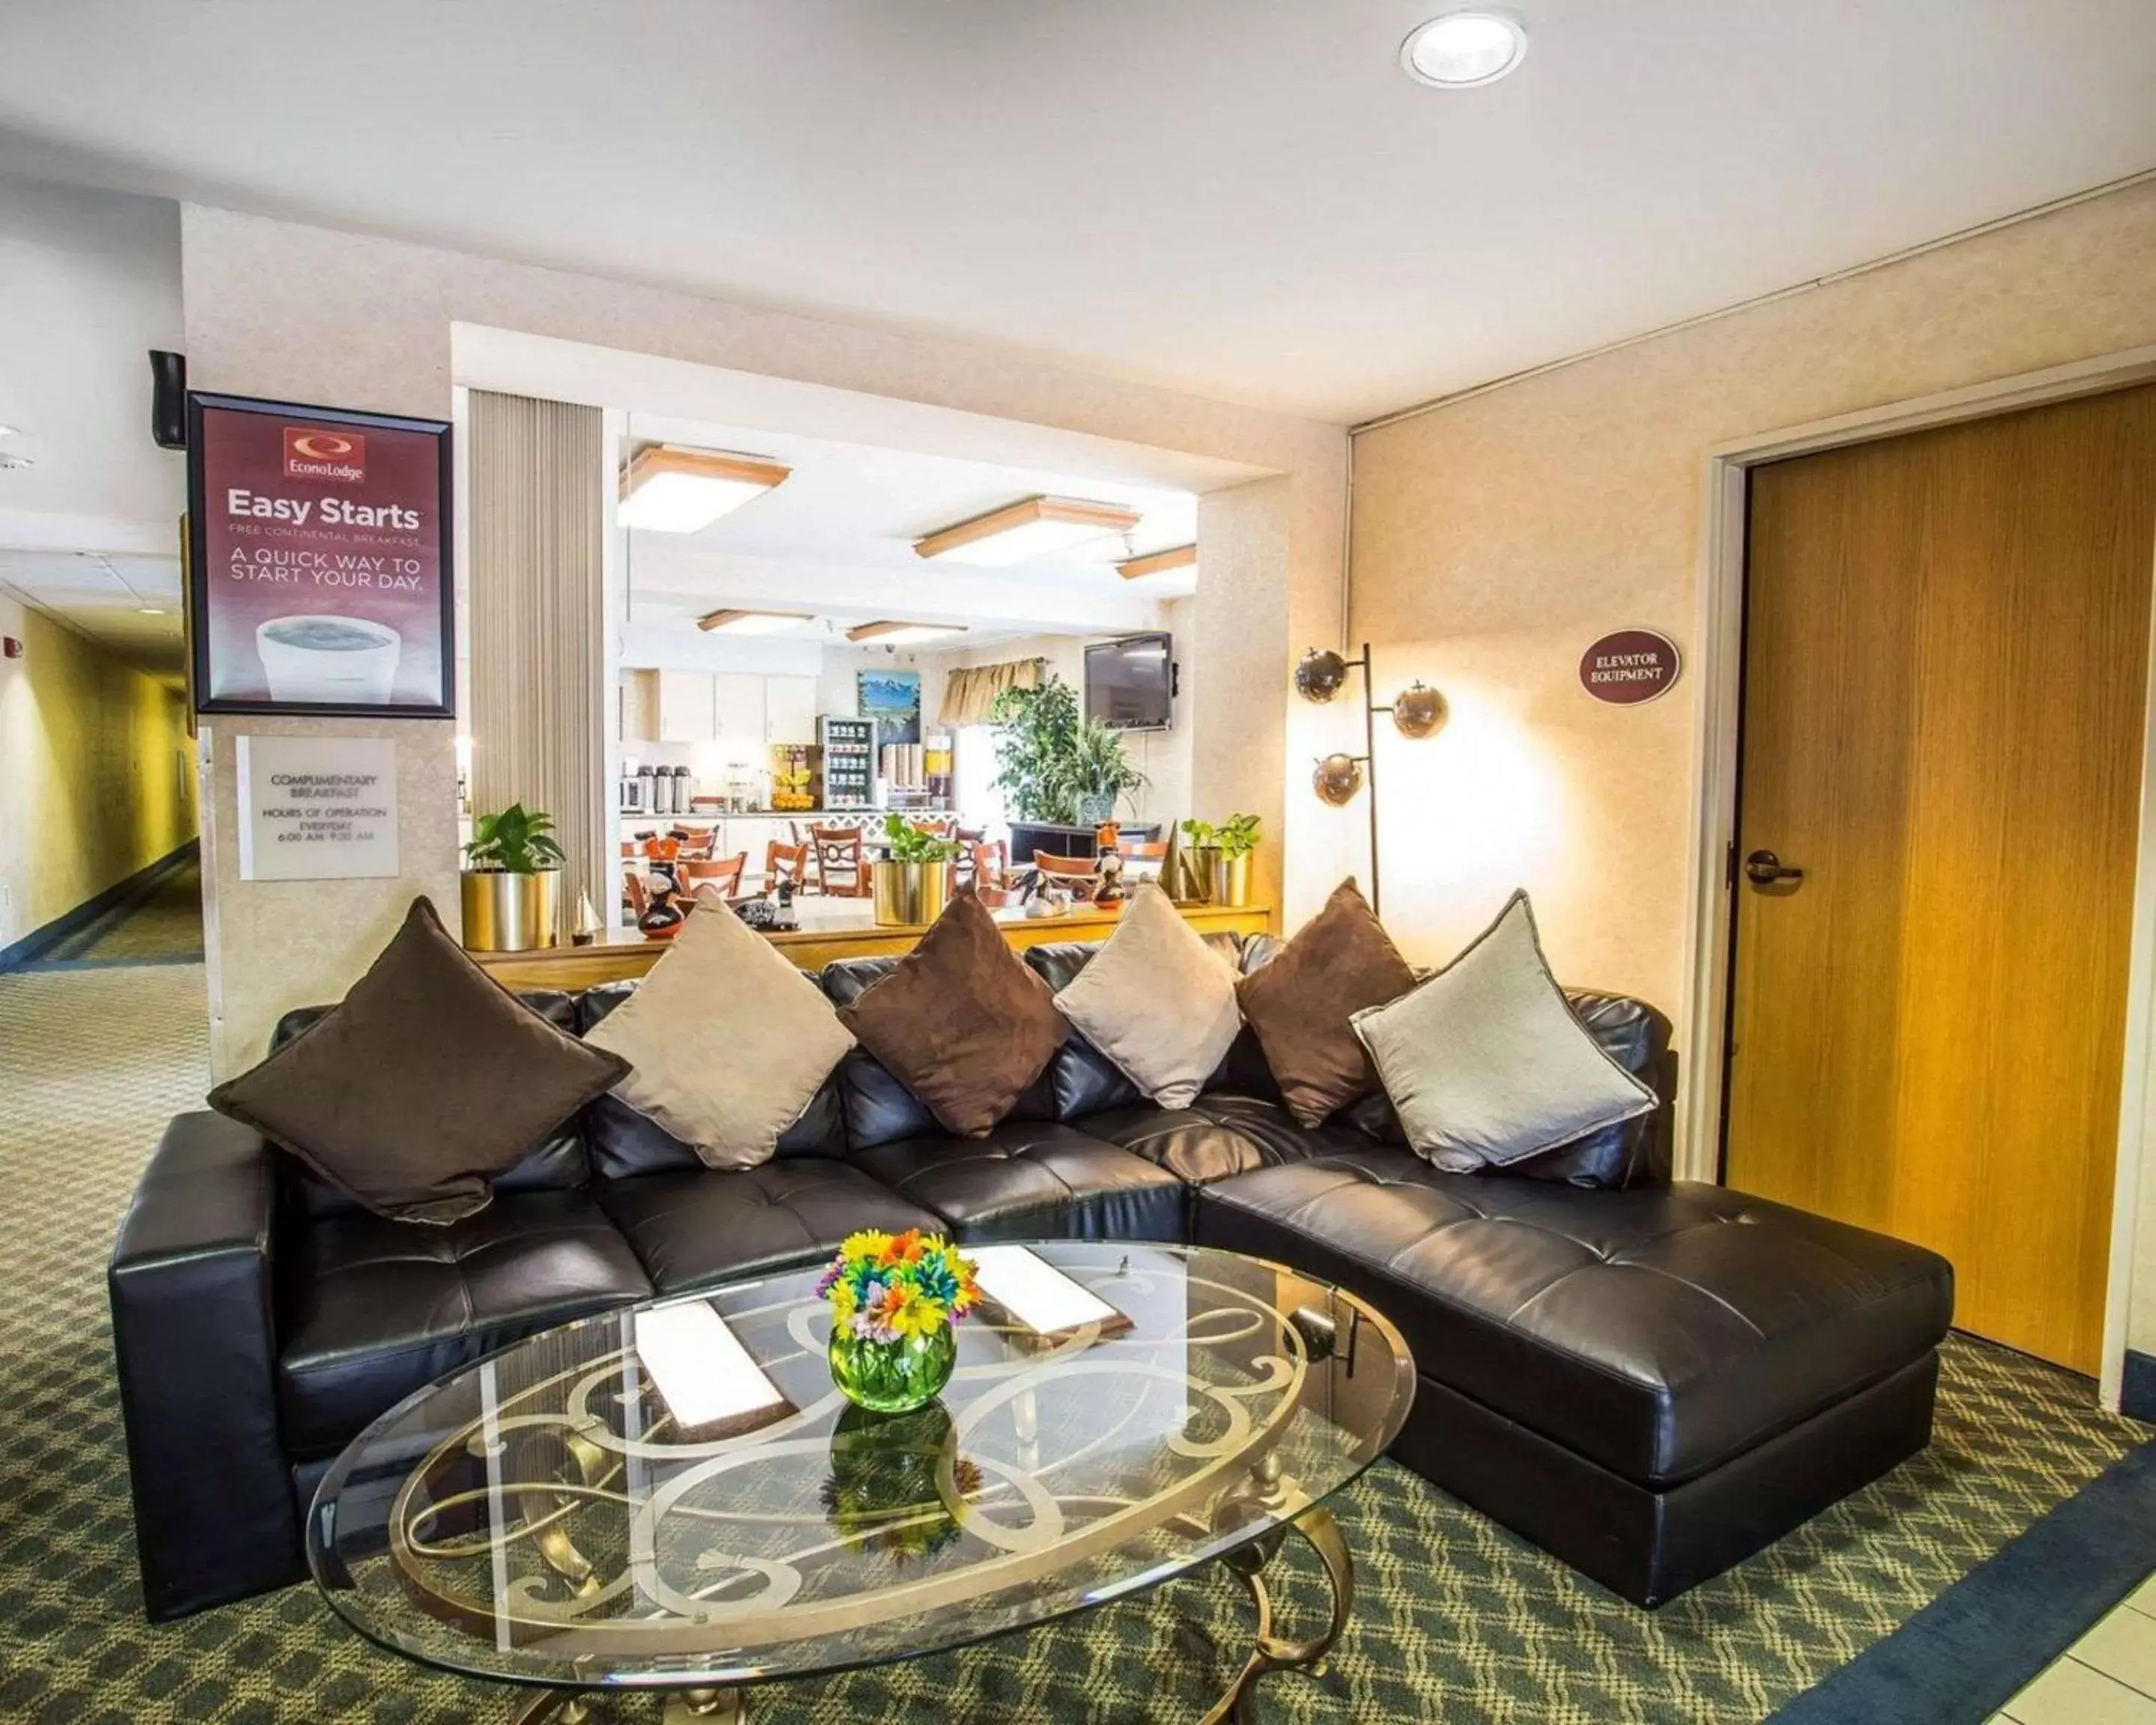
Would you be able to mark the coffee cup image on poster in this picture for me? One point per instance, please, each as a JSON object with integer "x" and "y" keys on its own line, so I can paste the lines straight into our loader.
{"x": 321, "y": 573}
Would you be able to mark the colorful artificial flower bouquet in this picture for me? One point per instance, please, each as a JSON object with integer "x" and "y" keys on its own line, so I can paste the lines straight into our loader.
{"x": 886, "y": 1287}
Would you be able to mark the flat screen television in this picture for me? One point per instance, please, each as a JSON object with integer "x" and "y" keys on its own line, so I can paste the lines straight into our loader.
{"x": 1130, "y": 684}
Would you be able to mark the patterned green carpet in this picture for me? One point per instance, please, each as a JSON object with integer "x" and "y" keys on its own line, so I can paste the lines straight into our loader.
{"x": 1455, "y": 1620}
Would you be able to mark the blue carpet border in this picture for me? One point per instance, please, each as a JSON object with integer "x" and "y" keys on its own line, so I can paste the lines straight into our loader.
{"x": 1977, "y": 1644}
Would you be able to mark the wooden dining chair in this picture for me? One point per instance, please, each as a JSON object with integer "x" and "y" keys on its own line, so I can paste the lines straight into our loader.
{"x": 986, "y": 869}
{"x": 725, "y": 873}
{"x": 785, "y": 862}
{"x": 842, "y": 870}
{"x": 1074, "y": 873}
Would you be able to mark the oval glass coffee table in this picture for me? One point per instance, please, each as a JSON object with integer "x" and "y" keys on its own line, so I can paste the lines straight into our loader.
{"x": 675, "y": 1497}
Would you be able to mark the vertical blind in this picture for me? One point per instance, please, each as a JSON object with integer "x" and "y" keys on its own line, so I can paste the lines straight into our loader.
{"x": 538, "y": 671}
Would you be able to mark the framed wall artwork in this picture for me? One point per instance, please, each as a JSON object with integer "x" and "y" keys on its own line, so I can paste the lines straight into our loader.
{"x": 319, "y": 576}
{"x": 892, "y": 699}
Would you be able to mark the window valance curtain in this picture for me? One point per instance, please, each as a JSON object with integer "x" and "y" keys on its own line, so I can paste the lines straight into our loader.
{"x": 969, "y": 693}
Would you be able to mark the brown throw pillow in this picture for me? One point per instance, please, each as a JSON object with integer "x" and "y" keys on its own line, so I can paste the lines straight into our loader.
{"x": 960, "y": 1021}
{"x": 1340, "y": 962}
{"x": 429, "y": 1081}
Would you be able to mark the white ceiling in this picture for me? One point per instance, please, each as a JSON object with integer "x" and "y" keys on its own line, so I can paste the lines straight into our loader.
{"x": 1247, "y": 199}
{"x": 104, "y": 596}
{"x": 90, "y": 282}
{"x": 836, "y": 538}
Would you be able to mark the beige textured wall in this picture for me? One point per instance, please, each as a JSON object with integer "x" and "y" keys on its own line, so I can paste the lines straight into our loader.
{"x": 96, "y": 774}
{"x": 1495, "y": 538}
{"x": 307, "y": 314}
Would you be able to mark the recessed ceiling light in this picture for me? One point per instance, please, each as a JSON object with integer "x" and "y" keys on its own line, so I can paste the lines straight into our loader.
{"x": 1158, "y": 563}
{"x": 900, "y": 634}
{"x": 752, "y": 623}
{"x": 1464, "y": 48}
{"x": 12, "y": 461}
{"x": 1030, "y": 529}
{"x": 667, "y": 488}
{"x": 10, "y": 430}
{"x": 149, "y": 610}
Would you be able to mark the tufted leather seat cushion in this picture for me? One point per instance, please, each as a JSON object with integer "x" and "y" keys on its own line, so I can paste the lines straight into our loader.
{"x": 1032, "y": 1180}
{"x": 1659, "y": 1331}
{"x": 1221, "y": 1134}
{"x": 694, "y": 1227}
{"x": 371, "y": 1310}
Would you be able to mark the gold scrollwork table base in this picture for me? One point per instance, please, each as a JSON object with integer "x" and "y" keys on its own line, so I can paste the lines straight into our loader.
{"x": 1270, "y": 1652}
{"x": 686, "y": 1706}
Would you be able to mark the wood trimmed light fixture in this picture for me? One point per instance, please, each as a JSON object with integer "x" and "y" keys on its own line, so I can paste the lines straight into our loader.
{"x": 667, "y": 488}
{"x": 900, "y": 634}
{"x": 1158, "y": 563}
{"x": 752, "y": 623}
{"x": 1030, "y": 529}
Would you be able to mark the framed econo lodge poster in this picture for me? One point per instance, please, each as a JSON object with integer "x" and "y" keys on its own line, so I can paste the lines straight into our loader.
{"x": 319, "y": 571}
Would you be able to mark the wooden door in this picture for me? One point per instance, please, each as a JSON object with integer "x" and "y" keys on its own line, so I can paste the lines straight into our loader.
{"x": 1946, "y": 642}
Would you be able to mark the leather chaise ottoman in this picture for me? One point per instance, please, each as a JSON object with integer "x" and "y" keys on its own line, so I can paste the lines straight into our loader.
{"x": 1652, "y": 1384}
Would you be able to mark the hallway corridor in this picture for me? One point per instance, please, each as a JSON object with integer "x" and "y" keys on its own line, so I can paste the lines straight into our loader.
{"x": 162, "y": 926}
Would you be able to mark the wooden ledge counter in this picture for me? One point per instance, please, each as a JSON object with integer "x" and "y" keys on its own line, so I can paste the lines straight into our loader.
{"x": 627, "y": 954}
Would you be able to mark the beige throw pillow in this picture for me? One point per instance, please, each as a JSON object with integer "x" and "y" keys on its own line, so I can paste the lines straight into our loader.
{"x": 1157, "y": 1001}
{"x": 730, "y": 1042}
{"x": 1485, "y": 1062}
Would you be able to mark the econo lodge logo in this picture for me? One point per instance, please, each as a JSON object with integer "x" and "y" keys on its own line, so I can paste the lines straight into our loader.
{"x": 313, "y": 453}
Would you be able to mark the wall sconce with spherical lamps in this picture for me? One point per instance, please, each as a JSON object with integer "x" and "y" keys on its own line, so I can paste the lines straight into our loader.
{"x": 1418, "y": 712}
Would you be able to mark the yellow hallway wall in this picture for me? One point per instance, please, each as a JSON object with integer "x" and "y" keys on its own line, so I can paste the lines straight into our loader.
{"x": 96, "y": 774}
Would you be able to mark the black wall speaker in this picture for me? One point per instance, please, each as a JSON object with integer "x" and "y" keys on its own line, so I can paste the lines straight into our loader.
{"x": 168, "y": 398}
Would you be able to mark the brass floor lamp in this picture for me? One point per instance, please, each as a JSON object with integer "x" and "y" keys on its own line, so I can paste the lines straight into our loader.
{"x": 1419, "y": 710}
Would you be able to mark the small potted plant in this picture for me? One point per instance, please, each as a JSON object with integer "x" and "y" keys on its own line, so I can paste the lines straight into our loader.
{"x": 895, "y": 1301}
{"x": 512, "y": 866}
{"x": 1055, "y": 766}
{"x": 1221, "y": 857}
{"x": 1100, "y": 772}
{"x": 913, "y": 881}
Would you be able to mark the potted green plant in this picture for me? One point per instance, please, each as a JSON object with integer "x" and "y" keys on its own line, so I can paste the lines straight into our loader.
{"x": 512, "y": 866}
{"x": 1053, "y": 765}
{"x": 1221, "y": 857}
{"x": 912, "y": 880}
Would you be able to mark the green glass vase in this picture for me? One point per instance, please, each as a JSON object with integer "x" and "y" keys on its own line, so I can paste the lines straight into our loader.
{"x": 893, "y": 1377}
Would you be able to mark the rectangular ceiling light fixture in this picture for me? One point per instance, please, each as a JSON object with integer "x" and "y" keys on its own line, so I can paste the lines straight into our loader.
{"x": 900, "y": 634}
{"x": 1026, "y": 530}
{"x": 752, "y": 623}
{"x": 668, "y": 489}
{"x": 1158, "y": 563}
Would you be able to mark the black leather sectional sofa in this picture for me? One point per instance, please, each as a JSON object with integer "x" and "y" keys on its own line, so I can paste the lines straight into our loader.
{"x": 1651, "y": 1382}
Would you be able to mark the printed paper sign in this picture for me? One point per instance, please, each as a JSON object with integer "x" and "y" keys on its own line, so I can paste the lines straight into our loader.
{"x": 317, "y": 808}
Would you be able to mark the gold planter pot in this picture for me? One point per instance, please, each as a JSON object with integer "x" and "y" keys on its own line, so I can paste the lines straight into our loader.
{"x": 1230, "y": 880}
{"x": 908, "y": 895}
{"x": 510, "y": 913}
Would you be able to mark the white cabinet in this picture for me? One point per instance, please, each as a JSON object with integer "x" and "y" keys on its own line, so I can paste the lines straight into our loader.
{"x": 685, "y": 707}
{"x": 789, "y": 710}
{"x": 739, "y": 706}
